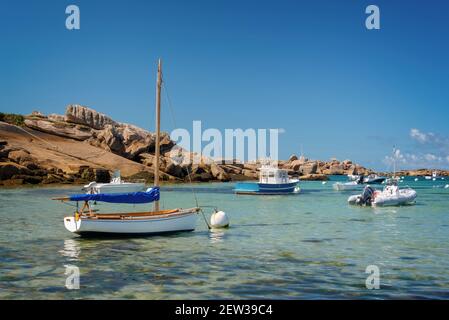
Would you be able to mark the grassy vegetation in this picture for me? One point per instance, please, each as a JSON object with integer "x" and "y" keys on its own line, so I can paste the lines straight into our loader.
{"x": 11, "y": 118}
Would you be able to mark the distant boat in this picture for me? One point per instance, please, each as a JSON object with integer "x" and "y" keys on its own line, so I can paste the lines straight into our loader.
{"x": 347, "y": 186}
{"x": 115, "y": 186}
{"x": 86, "y": 221}
{"x": 272, "y": 180}
{"x": 357, "y": 182}
{"x": 374, "y": 179}
{"x": 433, "y": 177}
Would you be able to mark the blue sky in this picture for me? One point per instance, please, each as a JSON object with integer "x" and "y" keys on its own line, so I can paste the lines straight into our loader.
{"x": 309, "y": 67}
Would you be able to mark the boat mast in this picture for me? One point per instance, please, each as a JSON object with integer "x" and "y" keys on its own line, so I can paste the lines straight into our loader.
{"x": 158, "y": 129}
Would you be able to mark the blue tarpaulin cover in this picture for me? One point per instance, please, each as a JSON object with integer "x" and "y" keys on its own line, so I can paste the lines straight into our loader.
{"x": 133, "y": 197}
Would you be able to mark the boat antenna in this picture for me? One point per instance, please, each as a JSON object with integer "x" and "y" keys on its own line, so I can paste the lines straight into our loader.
{"x": 394, "y": 162}
{"x": 158, "y": 129}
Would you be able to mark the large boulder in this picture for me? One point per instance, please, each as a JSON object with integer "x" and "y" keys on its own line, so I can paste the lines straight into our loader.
{"x": 218, "y": 172}
{"x": 336, "y": 169}
{"x": 62, "y": 129}
{"x": 20, "y": 156}
{"x": 250, "y": 174}
{"x": 231, "y": 169}
{"x": 109, "y": 139}
{"x": 56, "y": 117}
{"x": 250, "y": 166}
{"x": 296, "y": 164}
{"x": 174, "y": 170}
{"x": 293, "y": 157}
{"x": 10, "y": 169}
{"x": 83, "y": 115}
{"x": 309, "y": 168}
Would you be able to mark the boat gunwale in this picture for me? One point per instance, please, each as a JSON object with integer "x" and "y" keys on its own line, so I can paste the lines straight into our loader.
{"x": 140, "y": 215}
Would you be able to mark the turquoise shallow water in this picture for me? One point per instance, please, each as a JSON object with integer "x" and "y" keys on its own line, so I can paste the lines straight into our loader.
{"x": 307, "y": 246}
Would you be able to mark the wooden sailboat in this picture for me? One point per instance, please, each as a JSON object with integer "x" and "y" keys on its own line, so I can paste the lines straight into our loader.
{"x": 88, "y": 221}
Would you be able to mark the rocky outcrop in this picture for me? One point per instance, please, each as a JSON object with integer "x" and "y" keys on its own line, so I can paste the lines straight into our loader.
{"x": 418, "y": 173}
{"x": 31, "y": 157}
{"x": 20, "y": 167}
{"x": 88, "y": 117}
{"x": 85, "y": 124}
{"x": 301, "y": 167}
{"x": 85, "y": 145}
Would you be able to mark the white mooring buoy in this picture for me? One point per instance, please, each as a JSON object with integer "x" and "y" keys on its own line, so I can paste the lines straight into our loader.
{"x": 219, "y": 219}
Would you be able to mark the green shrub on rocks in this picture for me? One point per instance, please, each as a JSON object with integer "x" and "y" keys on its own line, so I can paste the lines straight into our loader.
{"x": 11, "y": 118}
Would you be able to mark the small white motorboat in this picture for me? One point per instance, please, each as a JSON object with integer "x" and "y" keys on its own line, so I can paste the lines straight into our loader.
{"x": 115, "y": 186}
{"x": 433, "y": 177}
{"x": 347, "y": 186}
{"x": 350, "y": 185}
{"x": 353, "y": 177}
{"x": 357, "y": 182}
{"x": 391, "y": 195}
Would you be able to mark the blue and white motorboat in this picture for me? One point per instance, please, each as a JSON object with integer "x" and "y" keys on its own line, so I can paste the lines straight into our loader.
{"x": 272, "y": 180}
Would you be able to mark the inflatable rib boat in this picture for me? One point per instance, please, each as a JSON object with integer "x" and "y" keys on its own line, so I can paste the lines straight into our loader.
{"x": 391, "y": 195}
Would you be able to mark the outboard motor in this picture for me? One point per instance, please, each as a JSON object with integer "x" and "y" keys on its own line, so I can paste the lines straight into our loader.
{"x": 367, "y": 196}
{"x": 360, "y": 179}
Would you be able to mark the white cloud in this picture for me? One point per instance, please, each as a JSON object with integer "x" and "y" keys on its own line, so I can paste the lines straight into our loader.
{"x": 418, "y": 135}
{"x": 430, "y": 140}
{"x": 413, "y": 160}
{"x": 430, "y": 151}
{"x": 430, "y": 157}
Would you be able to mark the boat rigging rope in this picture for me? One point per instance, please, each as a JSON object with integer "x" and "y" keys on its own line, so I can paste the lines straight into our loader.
{"x": 39, "y": 138}
{"x": 174, "y": 125}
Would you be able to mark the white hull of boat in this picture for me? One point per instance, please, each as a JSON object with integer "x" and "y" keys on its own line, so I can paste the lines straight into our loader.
{"x": 347, "y": 186}
{"x": 385, "y": 199}
{"x": 183, "y": 220}
{"x": 403, "y": 197}
{"x": 124, "y": 187}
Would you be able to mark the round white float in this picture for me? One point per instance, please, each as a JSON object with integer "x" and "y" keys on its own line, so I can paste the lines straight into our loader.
{"x": 219, "y": 219}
